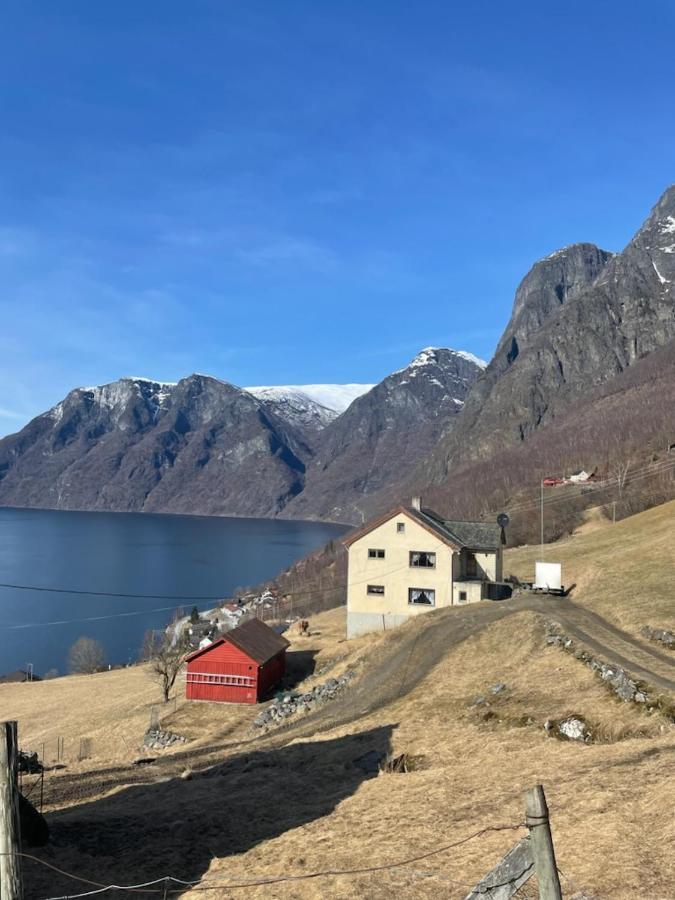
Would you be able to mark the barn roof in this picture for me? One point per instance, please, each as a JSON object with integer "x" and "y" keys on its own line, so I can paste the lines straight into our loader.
{"x": 257, "y": 640}
{"x": 472, "y": 535}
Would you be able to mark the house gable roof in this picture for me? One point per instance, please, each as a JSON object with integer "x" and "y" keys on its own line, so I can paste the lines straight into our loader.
{"x": 454, "y": 533}
{"x": 257, "y": 640}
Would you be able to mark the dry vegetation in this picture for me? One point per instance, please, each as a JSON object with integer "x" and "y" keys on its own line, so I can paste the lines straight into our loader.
{"x": 626, "y": 572}
{"x": 293, "y": 802}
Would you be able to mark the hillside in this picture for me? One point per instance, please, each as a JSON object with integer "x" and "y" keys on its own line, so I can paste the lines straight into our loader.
{"x": 581, "y": 317}
{"x": 209, "y": 447}
{"x": 372, "y": 446}
{"x": 200, "y": 445}
{"x": 589, "y": 335}
{"x": 294, "y": 801}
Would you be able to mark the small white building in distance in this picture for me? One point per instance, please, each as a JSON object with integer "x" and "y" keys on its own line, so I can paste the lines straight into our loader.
{"x": 412, "y": 560}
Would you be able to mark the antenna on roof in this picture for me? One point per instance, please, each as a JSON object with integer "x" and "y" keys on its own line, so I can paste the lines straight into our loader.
{"x": 503, "y": 521}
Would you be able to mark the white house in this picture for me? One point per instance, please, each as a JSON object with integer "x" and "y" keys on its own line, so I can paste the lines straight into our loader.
{"x": 412, "y": 560}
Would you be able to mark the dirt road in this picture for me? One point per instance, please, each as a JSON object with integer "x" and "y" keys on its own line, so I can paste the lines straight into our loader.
{"x": 393, "y": 671}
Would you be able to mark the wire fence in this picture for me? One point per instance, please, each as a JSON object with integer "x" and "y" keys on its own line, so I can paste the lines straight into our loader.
{"x": 171, "y": 884}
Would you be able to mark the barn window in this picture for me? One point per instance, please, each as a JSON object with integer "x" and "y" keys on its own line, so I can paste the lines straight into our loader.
{"x": 421, "y": 560}
{"x": 375, "y": 589}
{"x": 375, "y": 554}
{"x": 422, "y": 596}
{"x": 462, "y": 596}
{"x": 400, "y": 527}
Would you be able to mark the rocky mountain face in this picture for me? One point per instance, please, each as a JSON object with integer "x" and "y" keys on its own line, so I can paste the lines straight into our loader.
{"x": 580, "y": 318}
{"x": 205, "y": 446}
{"x": 199, "y": 446}
{"x": 295, "y": 407}
{"x": 380, "y": 437}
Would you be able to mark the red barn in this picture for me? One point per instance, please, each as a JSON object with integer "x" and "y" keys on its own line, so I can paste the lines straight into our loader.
{"x": 240, "y": 667}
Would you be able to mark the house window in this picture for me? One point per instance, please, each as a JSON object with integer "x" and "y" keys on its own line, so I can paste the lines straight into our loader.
{"x": 462, "y": 596}
{"x": 375, "y": 589}
{"x": 422, "y": 596}
{"x": 471, "y": 565}
{"x": 421, "y": 560}
{"x": 375, "y": 554}
{"x": 400, "y": 527}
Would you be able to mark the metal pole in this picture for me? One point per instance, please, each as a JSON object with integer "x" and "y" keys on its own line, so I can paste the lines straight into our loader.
{"x": 536, "y": 819}
{"x": 10, "y": 833}
{"x": 541, "y": 490}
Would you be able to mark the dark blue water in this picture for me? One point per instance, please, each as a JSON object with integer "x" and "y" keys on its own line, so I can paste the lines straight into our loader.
{"x": 187, "y": 557}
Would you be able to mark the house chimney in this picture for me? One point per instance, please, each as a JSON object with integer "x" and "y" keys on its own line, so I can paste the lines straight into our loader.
{"x": 417, "y": 503}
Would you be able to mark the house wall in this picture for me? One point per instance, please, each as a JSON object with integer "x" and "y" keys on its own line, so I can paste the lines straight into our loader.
{"x": 270, "y": 674}
{"x": 369, "y": 612}
{"x": 223, "y": 660}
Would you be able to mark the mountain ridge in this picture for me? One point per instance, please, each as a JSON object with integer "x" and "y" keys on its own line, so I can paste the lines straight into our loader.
{"x": 581, "y": 317}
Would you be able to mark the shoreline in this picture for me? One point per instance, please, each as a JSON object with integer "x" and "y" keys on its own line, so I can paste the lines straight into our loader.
{"x": 141, "y": 512}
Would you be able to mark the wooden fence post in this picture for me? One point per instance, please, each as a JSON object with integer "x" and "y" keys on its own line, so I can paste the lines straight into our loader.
{"x": 536, "y": 819}
{"x": 10, "y": 834}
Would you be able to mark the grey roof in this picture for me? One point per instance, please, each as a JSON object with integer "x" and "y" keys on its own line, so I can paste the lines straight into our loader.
{"x": 473, "y": 535}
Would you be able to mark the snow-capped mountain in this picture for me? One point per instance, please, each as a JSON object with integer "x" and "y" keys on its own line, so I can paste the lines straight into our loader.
{"x": 309, "y": 406}
{"x": 202, "y": 445}
{"x": 378, "y": 439}
{"x": 333, "y": 397}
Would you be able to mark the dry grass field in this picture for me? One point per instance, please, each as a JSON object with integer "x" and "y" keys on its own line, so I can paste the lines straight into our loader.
{"x": 295, "y": 802}
{"x": 626, "y": 572}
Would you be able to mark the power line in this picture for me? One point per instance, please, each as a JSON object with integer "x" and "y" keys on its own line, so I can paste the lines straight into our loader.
{"x": 572, "y": 492}
{"x": 53, "y": 590}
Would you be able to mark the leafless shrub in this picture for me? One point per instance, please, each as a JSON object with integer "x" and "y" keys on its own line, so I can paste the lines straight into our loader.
{"x": 86, "y": 656}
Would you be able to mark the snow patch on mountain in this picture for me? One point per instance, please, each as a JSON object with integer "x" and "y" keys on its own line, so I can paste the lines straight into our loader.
{"x": 429, "y": 357}
{"x": 668, "y": 225}
{"x": 334, "y": 397}
{"x": 295, "y": 406}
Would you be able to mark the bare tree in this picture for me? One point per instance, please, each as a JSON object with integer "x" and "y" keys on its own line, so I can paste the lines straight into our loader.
{"x": 152, "y": 641}
{"x": 86, "y": 656}
{"x": 620, "y": 470}
{"x": 166, "y": 660}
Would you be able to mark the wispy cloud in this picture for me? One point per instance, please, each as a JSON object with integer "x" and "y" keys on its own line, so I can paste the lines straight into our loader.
{"x": 291, "y": 251}
{"x": 11, "y": 414}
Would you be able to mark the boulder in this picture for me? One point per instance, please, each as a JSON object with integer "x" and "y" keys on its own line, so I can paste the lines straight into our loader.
{"x": 574, "y": 729}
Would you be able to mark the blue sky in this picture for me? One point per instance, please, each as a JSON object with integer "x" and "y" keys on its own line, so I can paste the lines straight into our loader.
{"x": 305, "y": 191}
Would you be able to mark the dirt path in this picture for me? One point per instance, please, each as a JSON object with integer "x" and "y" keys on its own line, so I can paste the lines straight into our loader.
{"x": 393, "y": 671}
{"x": 615, "y": 646}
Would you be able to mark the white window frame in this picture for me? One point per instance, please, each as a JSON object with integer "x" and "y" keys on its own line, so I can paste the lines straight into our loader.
{"x": 428, "y": 591}
{"x": 376, "y": 553}
{"x": 372, "y": 593}
{"x": 421, "y": 553}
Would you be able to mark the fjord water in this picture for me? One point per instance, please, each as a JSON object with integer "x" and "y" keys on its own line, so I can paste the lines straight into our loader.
{"x": 165, "y": 556}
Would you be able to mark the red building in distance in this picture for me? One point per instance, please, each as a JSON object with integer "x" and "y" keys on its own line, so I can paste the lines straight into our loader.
{"x": 242, "y": 666}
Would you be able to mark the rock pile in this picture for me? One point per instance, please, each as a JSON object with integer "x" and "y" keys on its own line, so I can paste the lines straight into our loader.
{"x": 160, "y": 740}
{"x": 291, "y": 704}
{"x": 660, "y": 635}
{"x": 617, "y": 678}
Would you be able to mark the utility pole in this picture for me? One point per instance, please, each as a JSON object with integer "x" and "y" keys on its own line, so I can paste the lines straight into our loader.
{"x": 536, "y": 819}
{"x": 10, "y": 834}
{"x": 541, "y": 491}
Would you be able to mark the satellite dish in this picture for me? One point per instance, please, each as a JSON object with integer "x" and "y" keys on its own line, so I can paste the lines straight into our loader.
{"x": 503, "y": 521}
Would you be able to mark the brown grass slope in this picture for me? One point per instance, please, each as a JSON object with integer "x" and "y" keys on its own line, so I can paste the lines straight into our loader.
{"x": 292, "y": 802}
